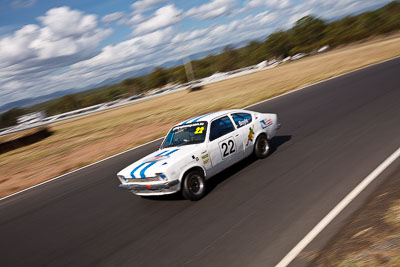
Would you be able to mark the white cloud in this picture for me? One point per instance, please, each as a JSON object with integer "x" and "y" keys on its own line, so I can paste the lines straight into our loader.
{"x": 53, "y": 38}
{"x": 136, "y": 53}
{"x": 269, "y": 4}
{"x": 213, "y": 9}
{"x": 22, "y": 3}
{"x": 133, "y": 19}
{"x": 63, "y": 37}
{"x": 162, "y": 18}
{"x": 14, "y": 48}
{"x": 112, "y": 17}
{"x": 145, "y": 5}
{"x": 243, "y": 29}
{"x": 328, "y": 9}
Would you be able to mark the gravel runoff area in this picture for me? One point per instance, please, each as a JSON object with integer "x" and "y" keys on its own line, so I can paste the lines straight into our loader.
{"x": 372, "y": 236}
{"x": 74, "y": 143}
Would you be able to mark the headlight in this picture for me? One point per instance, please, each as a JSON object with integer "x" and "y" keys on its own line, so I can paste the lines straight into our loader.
{"x": 121, "y": 178}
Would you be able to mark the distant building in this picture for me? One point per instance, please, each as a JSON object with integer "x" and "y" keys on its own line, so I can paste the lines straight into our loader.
{"x": 31, "y": 118}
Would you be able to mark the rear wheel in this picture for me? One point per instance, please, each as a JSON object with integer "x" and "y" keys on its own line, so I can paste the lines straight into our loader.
{"x": 261, "y": 147}
{"x": 194, "y": 185}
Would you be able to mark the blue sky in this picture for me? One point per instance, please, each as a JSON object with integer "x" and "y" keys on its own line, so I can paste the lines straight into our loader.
{"x": 46, "y": 46}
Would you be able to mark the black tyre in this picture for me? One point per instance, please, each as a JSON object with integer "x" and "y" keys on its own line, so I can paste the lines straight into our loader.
{"x": 261, "y": 147}
{"x": 194, "y": 185}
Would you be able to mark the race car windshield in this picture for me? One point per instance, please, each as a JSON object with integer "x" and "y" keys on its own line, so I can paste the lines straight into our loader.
{"x": 187, "y": 134}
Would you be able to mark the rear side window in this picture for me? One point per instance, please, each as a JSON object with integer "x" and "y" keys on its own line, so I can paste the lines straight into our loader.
{"x": 241, "y": 119}
{"x": 221, "y": 127}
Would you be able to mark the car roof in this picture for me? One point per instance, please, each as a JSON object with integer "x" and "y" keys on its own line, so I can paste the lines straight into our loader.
{"x": 210, "y": 116}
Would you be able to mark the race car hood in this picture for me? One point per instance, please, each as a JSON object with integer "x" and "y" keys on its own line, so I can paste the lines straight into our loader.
{"x": 158, "y": 162}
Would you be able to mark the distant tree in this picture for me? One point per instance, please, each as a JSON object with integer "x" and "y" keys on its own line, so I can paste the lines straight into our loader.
{"x": 69, "y": 102}
{"x": 307, "y": 31}
{"x": 158, "y": 77}
{"x": 205, "y": 67}
{"x": 9, "y": 118}
{"x": 228, "y": 59}
{"x": 391, "y": 13}
{"x": 63, "y": 104}
{"x": 92, "y": 100}
{"x": 114, "y": 93}
{"x": 252, "y": 54}
{"x": 371, "y": 22}
{"x": 278, "y": 44}
{"x": 341, "y": 32}
{"x": 133, "y": 85}
{"x": 177, "y": 74}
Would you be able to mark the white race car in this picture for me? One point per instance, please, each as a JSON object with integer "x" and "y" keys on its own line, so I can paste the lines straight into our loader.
{"x": 197, "y": 149}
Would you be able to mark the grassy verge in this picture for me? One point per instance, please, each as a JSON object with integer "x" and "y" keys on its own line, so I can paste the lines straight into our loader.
{"x": 77, "y": 142}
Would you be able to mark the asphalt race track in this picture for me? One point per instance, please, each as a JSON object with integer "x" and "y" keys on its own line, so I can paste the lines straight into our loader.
{"x": 333, "y": 135}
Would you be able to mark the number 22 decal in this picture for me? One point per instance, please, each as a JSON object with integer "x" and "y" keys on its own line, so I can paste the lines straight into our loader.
{"x": 227, "y": 147}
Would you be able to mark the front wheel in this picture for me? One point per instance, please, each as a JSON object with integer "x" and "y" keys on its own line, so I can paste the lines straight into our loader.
{"x": 194, "y": 185}
{"x": 261, "y": 147}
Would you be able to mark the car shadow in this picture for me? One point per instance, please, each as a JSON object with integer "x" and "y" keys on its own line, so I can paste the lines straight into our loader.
{"x": 227, "y": 173}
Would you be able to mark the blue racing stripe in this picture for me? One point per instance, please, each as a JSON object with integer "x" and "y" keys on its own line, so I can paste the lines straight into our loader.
{"x": 165, "y": 151}
{"x": 188, "y": 121}
{"x": 198, "y": 118}
{"x": 142, "y": 172}
{"x": 138, "y": 167}
{"x": 135, "y": 169}
{"x": 142, "y": 175}
{"x": 173, "y": 151}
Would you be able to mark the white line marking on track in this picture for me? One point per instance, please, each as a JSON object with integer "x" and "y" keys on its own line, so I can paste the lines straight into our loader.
{"x": 255, "y": 104}
{"x": 336, "y": 210}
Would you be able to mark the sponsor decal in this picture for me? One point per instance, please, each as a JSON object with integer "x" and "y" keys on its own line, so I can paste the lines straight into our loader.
{"x": 205, "y": 158}
{"x": 243, "y": 122}
{"x": 265, "y": 123}
{"x": 183, "y": 126}
{"x": 250, "y": 137}
{"x": 158, "y": 158}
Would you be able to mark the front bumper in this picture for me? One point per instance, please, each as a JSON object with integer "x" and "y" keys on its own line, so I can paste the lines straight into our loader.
{"x": 153, "y": 188}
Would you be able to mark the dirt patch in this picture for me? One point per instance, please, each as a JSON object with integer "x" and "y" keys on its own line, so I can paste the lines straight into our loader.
{"x": 372, "y": 235}
{"x": 86, "y": 139}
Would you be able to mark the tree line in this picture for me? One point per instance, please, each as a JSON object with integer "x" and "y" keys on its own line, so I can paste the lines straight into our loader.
{"x": 307, "y": 35}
